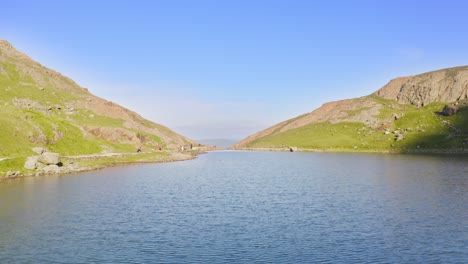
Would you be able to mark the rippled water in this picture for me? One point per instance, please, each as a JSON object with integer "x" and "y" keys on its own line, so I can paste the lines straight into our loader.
{"x": 231, "y": 207}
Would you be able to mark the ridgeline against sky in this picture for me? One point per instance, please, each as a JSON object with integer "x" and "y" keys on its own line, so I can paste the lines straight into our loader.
{"x": 226, "y": 69}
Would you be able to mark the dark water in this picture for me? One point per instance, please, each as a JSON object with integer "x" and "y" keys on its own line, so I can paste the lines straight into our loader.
{"x": 244, "y": 207}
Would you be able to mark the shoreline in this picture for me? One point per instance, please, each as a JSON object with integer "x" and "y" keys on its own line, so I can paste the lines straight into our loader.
{"x": 78, "y": 164}
{"x": 413, "y": 151}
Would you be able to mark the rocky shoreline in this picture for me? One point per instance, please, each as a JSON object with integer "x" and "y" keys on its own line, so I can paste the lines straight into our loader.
{"x": 49, "y": 163}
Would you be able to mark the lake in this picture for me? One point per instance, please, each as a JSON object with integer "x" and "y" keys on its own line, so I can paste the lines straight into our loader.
{"x": 244, "y": 207}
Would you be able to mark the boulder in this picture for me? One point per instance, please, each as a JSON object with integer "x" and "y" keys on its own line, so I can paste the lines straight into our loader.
{"x": 450, "y": 110}
{"x": 51, "y": 169}
{"x": 39, "y": 150}
{"x": 50, "y": 158}
{"x": 12, "y": 174}
{"x": 397, "y": 116}
{"x": 31, "y": 163}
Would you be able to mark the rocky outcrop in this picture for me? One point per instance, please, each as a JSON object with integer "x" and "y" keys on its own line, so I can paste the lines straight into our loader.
{"x": 449, "y": 110}
{"x": 117, "y": 135}
{"x": 448, "y": 85}
{"x": 47, "y": 162}
{"x": 454, "y": 107}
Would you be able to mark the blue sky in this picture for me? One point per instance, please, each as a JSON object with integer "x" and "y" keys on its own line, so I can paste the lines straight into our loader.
{"x": 226, "y": 69}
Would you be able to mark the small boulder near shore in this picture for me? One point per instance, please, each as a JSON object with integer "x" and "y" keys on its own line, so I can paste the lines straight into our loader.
{"x": 31, "y": 163}
{"x": 50, "y": 158}
{"x": 51, "y": 169}
{"x": 12, "y": 174}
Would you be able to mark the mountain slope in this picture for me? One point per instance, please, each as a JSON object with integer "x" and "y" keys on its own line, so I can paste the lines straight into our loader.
{"x": 404, "y": 115}
{"x": 41, "y": 107}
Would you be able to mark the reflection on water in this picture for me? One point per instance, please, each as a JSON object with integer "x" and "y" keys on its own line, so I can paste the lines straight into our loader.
{"x": 229, "y": 207}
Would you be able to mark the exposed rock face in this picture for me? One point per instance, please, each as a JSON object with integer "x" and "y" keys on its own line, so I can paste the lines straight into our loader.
{"x": 118, "y": 135}
{"x": 50, "y": 158}
{"x": 446, "y": 85}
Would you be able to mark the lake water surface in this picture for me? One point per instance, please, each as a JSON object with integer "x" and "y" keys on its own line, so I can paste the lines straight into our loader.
{"x": 244, "y": 207}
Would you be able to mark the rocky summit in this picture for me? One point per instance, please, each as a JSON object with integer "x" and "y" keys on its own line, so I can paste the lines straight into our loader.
{"x": 422, "y": 113}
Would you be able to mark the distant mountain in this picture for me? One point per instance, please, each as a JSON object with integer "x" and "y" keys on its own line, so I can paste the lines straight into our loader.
{"x": 218, "y": 142}
{"x": 426, "y": 112}
{"x": 41, "y": 107}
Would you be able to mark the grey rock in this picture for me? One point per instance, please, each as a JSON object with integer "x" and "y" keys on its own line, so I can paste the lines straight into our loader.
{"x": 31, "y": 163}
{"x": 50, "y": 158}
{"x": 39, "y": 150}
{"x": 51, "y": 169}
{"x": 12, "y": 174}
{"x": 399, "y": 137}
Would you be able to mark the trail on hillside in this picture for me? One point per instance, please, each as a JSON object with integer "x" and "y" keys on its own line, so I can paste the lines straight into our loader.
{"x": 102, "y": 155}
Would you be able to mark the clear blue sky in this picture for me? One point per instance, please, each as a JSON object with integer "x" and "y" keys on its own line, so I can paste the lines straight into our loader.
{"x": 226, "y": 69}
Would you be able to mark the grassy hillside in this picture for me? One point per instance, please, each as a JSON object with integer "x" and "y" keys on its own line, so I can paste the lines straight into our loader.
{"x": 41, "y": 108}
{"x": 414, "y": 129}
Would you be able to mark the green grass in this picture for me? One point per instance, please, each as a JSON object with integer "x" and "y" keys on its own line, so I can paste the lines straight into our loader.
{"x": 422, "y": 128}
{"x": 22, "y": 129}
{"x": 16, "y": 86}
{"x": 88, "y": 118}
{"x": 106, "y": 161}
{"x": 57, "y": 129}
{"x": 326, "y": 136}
{"x": 14, "y": 133}
{"x": 15, "y": 164}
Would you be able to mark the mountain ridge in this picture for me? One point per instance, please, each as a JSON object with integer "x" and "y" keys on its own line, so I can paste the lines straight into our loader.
{"x": 401, "y": 98}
